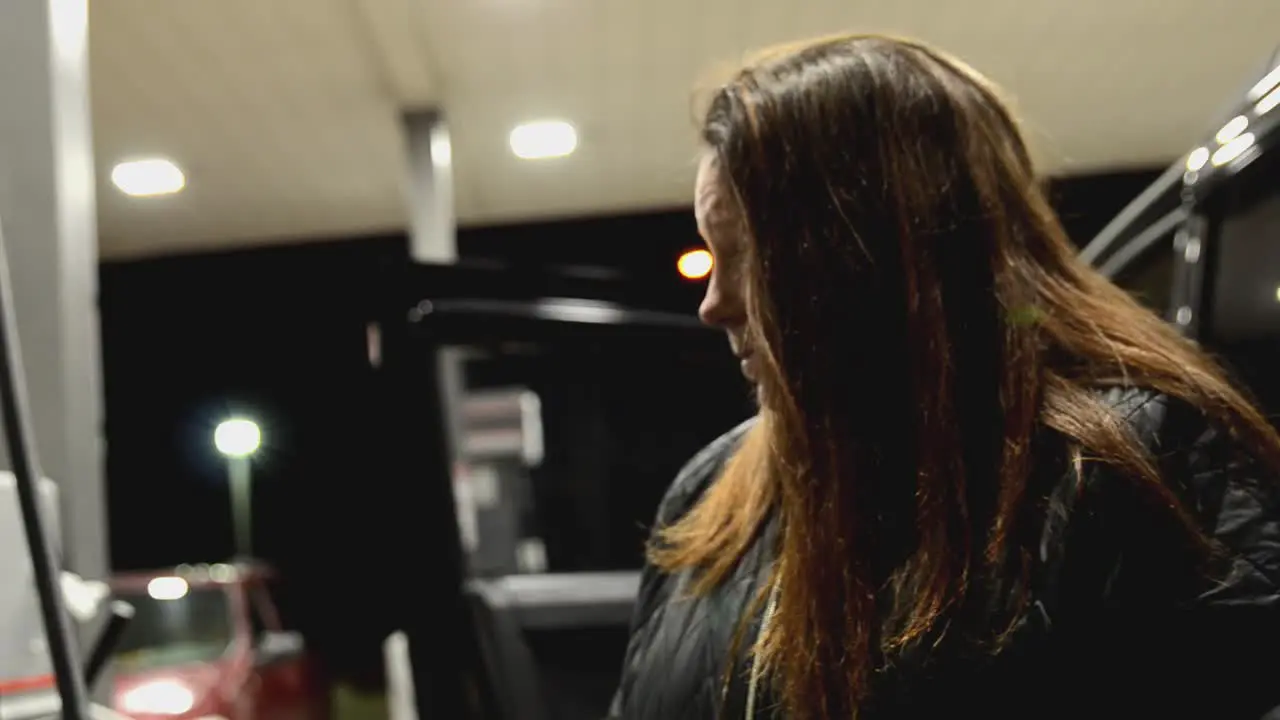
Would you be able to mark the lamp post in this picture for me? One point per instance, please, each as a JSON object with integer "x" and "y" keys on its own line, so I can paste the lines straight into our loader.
{"x": 238, "y": 439}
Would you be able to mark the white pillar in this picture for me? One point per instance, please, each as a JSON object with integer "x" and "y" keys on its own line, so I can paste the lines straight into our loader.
{"x": 50, "y": 224}
{"x": 433, "y": 237}
{"x": 432, "y": 228}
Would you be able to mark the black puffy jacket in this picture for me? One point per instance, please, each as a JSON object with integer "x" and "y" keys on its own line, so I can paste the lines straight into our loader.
{"x": 1122, "y": 626}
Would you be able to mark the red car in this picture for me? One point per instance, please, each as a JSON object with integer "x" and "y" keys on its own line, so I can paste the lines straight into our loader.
{"x": 206, "y": 643}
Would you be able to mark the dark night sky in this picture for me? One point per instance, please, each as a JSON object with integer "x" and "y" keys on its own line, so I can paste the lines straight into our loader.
{"x": 279, "y": 334}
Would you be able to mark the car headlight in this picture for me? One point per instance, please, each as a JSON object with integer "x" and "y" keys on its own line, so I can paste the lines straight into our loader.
{"x": 160, "y": 697}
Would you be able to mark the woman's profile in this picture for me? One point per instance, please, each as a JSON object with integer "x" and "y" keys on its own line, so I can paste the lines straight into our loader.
{"x": 983, "y": 481}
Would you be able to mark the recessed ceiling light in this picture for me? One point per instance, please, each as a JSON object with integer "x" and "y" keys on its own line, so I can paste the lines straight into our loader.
{"x": 543, "y": 139}
{"x": 1266, "y": 84}
{"x": 1197, "y": 159}
{"x": 1268, "y": 103}
{"x": 1232, "y": 129}
{"x": 1232, "y": 150}
{"x": 148, "y": 177}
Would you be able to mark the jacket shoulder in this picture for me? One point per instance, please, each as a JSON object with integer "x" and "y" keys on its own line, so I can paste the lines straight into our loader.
{"x": 698, "y": 474}
{"x": 1170, "y": 429}
{"x": 1234, "y": 497}
{"x": 1198, "y": 624}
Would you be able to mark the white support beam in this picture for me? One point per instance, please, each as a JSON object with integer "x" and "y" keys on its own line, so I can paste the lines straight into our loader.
{"x": 393, "y": 30}
{"x": 432, "y": 226}
{"x": 48, "y": 208}
{"x": 49, "y": 212}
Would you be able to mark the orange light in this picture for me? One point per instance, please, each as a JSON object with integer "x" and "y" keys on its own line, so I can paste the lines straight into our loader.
{"x": 695, "y": 264}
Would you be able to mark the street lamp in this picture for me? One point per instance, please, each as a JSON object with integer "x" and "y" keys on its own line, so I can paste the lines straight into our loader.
{"x": 238, "y": 439}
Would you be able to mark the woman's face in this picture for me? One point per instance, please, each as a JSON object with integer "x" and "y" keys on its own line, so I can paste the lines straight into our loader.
{"x": 722, "y": 228}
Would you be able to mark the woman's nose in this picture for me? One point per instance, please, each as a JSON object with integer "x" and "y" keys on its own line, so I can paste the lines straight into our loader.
{"x": 707, "y": 309}
{"x": 718, "y": 308}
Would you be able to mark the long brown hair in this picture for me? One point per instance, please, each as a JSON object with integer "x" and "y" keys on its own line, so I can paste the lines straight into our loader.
{"x": 924, "y": 320}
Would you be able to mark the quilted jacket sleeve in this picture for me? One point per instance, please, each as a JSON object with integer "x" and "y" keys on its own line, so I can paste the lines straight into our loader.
{"x": 690, "y": 483}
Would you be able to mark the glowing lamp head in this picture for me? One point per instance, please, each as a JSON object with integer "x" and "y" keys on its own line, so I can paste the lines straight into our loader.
{"x": 695, "y": 264}
{"x": 237, "y": 437}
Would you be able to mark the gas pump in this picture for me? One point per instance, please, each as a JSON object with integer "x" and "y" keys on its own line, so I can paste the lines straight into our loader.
{"x": 501, "y": 441}
{"x": 520, "y": 607}
{"x": 1208, "y": 233}
{"x": 37, "y": 594}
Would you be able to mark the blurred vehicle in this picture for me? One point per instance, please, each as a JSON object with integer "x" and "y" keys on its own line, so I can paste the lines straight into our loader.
{"x": 206, "y": 643}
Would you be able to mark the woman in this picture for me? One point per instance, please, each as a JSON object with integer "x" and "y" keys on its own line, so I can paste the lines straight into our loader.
{"x": 982, "y": 481}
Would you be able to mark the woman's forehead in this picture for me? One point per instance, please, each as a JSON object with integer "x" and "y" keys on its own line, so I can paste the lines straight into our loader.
{"x": 710, "y": 202}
